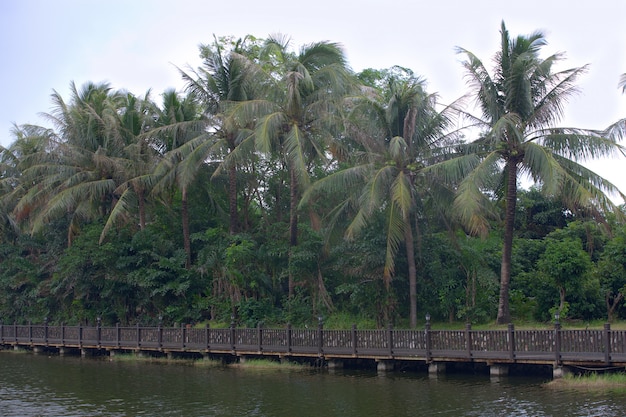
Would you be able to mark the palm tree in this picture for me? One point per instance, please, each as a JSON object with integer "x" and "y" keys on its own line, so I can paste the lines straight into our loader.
{"x": 28, "y": 140}
{"x": 134, "y": 119}
{"x": 77, "y": 173}
{"x": 399, "y": 133}
{"x": 296, "y": 119}
{"x": 177, "y": 123}
{"x": 224, "y": 77}
{"x": 521, "y": 103}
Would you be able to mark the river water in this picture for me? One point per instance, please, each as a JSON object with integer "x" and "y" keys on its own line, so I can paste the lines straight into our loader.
{"x": 39, "y": 385}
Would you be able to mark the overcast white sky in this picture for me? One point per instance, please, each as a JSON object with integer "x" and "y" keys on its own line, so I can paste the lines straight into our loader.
{"x": 136, "y": 44}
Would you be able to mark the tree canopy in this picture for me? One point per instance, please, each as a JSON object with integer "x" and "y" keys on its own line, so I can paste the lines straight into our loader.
{"x": 281, "y": 187}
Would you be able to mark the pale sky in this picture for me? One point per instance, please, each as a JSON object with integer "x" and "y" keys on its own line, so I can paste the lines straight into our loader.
{"x": 137, "y": 44}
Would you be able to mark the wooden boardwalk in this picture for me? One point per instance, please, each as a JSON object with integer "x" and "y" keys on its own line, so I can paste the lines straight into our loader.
{"x": 555, "y": 347}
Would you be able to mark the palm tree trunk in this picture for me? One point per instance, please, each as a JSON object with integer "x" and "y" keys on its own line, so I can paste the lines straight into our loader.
{"x": 504, "y": 314}
{"x": 186, "y": 234}
{"x": 142, "y": 210}
{"x": 410, "y": 257}
{"x": 293, "y": 220}
{"x": 232, "y": 199}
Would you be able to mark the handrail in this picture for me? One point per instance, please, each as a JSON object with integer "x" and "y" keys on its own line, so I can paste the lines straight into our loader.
{"x": 557, "y": 345}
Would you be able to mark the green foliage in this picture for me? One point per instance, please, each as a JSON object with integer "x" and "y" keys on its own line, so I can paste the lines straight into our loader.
{"x": 253, "y": 312}
{"x": 460, "y": 277}
{"x": 611, "y": 274}
{"x": 190, "y": 209}
{"x": 297, "y": 310}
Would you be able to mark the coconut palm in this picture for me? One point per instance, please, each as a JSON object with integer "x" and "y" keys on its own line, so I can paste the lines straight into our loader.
{"x": 137, "y": 159}
{"x": 29, "y": 142}
{"x": 177, "y": 122}
{"x": 224, "y": 77}
{"x": 77, "y": 173}
{"x": 521, "y": 102}
{"x": 399, "y": 134}
{"x": 295, "y": 121}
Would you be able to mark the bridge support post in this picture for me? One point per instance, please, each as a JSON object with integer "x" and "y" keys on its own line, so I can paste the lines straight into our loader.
{"x": 498, "y": 369}
{"x": 435, "y": 368}
{"x": 335, "y": 364}
{"x": 383, "y": 366}
{"x": 37, "y": 350}
{"x": 559, "y": 371}
{"x": 62, "y": 352}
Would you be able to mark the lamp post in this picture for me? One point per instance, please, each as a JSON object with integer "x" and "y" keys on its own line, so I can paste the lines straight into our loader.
{"x": 232, "y": 332}
{"x": 160, "y": 331}
{"x": 320, "y": 335}
{"x": 557, "y": 337}
{"x": 99, "y": 329}
{"x": 427, "y": 337}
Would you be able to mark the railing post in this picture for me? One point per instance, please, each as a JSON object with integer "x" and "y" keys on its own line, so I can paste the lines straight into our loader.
{"x": 260, "y": 336}
{"x": 80, "y": 335}
{"x": 289, "y": 337}
{"x": 232, "y": 332}
{"x": 354, "y": 339}
{"x": 45, "y": 331}
{"x": 15, "y": 331}
{"x": 160, "y": 333}
{"x": 183, "y": 334}
{"x": 62, "y": 334}
{"x": 1, "y": 334}
{"x": 390, "y": 339}
{"x": 557, "y": 341}
{"x": 427, "y": 337}
{"x": 207, "y": 336}
{"x": 320, "y": 336}
{"x": 138, "y": 335}
{"x": 468, "y": 339}
{"x": 99, "y": 329}
{"x": 511, "y": 331}
{"x": 30, "y": 332}
{"x": 607, "y": 343}
{"x": 118, "y": 334}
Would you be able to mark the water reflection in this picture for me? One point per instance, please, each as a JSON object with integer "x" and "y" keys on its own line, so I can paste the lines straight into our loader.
{"x": 68, "y": 386}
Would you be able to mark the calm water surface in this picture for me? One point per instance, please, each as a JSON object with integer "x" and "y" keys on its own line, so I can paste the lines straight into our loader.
{"x": 38, "y": 385}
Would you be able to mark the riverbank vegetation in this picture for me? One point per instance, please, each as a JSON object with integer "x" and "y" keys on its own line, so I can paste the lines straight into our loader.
{"x": 281, "y": 187}
{"x": 615, "y": 381}
{"x": 248, "y": 364}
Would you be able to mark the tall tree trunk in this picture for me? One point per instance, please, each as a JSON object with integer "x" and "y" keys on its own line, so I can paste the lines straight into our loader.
{"x": 232, "y": 199}
{"x": 504, "y": 314}
{"x": 293, "y": 220}
{"x": 561, "y": 299}
{"x": 410, "y": 257}
{"x": 142, "y": 209}
{"x": 186, "y": 234}
{"x": 611, "y": 304}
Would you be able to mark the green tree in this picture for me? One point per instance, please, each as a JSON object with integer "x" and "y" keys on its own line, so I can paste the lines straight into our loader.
{"x": 565, "y": 264}
{"x": 225, "y": 77}
{"x": 177, "y": 123}
{"x": 520, "y": 104}
{"x": 398, "y": 133}
{"x": 79, "y": 173}
{"x": 296, "y": 119}
{"x": 611, "y": 272}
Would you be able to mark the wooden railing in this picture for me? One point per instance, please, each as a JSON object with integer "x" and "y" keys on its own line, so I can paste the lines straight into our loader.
{"x": 605, "y": 346}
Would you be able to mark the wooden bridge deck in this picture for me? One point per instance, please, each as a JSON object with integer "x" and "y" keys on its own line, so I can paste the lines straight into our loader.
{"x": 599, "y": 348}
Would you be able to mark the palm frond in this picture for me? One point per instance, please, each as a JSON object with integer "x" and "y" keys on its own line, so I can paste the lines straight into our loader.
{"x": 471, "y": 204}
